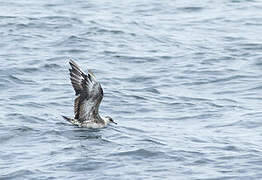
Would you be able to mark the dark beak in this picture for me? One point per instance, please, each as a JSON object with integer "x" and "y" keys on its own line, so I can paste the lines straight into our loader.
{"x": 114, "y": 122}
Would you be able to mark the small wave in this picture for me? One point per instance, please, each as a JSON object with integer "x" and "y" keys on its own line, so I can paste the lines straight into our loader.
{"x": 201, "y": 116}
{"x": 136, "y": 97}
{"x": 184, "y": 98}
{"x": 234, "y": 78}
{"x": 8, "y": 17}
{"x": 136, "y": 59}
{"x": 251, "y": 46}
{"x": 133, "y": 130}
{"x": 258, "y": 87}
{"x": 71, "y": 40}
{"x": 29, "y": 70}
{"x": 24, "y": 129}
{"x": 140, "y": 153}
{"x": 149, "y": 89}
{"x": 26, "y": 118}
{"x": 6, "y": 138}
{"x": 203, "y": 161}
{"x": 151, "y": 141}
{"x": 17, "y": 80}
{"x": 191, "y": 9}
{"x": 73, "y": 51}
{"x": 18, "y": 174}
{"x": 110, "y": 31}
{"x": 51, "y": 66}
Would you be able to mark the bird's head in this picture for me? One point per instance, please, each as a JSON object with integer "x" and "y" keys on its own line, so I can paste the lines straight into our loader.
{"x": 110, "y": 120}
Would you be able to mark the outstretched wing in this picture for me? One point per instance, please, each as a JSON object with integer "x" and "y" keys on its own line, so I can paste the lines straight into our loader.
{"x": 88, "y": 91}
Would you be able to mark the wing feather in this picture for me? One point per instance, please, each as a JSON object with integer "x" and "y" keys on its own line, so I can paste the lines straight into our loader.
{"x": 76, "y": 103}
{"x": 88, "y": 91}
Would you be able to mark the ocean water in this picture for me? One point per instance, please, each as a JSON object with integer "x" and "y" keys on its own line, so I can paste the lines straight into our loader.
{"x": 183, "y": 80}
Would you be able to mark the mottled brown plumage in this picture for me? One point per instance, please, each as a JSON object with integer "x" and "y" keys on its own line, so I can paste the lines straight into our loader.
{"x": 89, "y": 96}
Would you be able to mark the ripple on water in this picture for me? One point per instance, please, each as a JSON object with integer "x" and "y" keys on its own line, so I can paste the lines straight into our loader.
{"x": 20, "y": 173}
{"x": 140, "y": 154}
{"x": 183, "y": 83}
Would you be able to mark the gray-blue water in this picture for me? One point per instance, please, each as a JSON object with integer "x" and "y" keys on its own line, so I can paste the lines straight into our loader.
{"x": 183, "y": 79}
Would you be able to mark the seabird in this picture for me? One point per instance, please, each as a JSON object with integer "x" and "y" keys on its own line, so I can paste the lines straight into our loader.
{"x": 89, "y": 95}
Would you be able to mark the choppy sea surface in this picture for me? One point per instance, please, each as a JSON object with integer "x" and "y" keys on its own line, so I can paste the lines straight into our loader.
{"x": 183, "y": 79}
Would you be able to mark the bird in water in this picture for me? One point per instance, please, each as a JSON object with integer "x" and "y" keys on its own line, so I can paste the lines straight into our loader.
{"x": 89, "y": 95}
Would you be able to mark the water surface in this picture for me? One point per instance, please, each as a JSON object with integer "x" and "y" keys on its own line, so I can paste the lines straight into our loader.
{"x": 182, "y": 79}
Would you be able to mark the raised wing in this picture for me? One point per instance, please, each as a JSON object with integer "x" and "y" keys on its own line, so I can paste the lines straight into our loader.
{"x": 88, "y": 91}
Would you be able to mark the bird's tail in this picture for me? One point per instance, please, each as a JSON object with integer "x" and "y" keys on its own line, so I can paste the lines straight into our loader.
{"x": 67, "y": 118}
{"x": 73, "y": 121}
